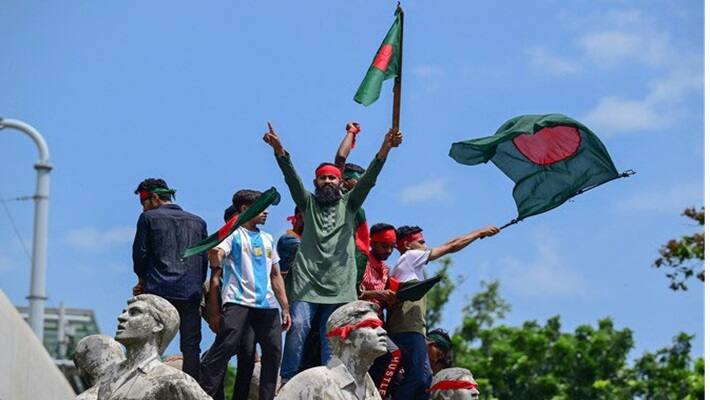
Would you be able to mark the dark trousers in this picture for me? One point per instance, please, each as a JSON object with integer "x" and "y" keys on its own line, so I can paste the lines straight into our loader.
{"x": 417, "y": 371}
{"x": 245, "y": 368}
{"x": 190, "y": 335}
{"x": 266, "y": 324}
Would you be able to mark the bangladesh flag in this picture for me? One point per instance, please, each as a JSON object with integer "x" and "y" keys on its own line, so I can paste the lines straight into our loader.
{"x": 268, "y": 198}
{"x": 386, "y": 64}
{"x": 551, "y": 158}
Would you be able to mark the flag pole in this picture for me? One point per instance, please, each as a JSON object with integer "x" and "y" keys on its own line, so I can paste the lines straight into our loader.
{"x": 397, "y": 88}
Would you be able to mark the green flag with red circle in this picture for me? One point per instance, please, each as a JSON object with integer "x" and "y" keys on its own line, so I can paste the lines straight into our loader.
{"x": 551, "y": 158}
{"x": 385, "y": 65}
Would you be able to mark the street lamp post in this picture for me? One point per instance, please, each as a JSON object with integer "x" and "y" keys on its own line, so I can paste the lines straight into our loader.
{"x": 39, "y": 240}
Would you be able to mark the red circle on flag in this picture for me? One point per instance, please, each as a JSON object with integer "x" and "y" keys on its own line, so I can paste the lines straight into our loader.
{"x": 549, "y": 145}
{"x": 382, "y": 60}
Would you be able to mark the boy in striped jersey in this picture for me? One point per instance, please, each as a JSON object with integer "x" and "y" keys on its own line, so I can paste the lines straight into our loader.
{"x": 252, "y": 286}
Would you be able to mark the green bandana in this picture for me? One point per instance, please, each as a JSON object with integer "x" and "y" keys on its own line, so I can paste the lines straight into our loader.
{"x": 350, "y": 174}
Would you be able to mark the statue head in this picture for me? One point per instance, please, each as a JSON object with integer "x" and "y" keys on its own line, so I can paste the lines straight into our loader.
{"x": 454, "y": 384}
{"x": 356, "y": 327}
{"x": 95, "y": 354}
{"x": 148, "y": 318}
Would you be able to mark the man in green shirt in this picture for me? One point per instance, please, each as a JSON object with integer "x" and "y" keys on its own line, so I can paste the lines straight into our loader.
{"x": 323, "y": 275}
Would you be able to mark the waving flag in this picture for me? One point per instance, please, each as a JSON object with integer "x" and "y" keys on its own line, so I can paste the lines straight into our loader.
{"x": 386, "y": 64}
{"x": 268, "y": 198}
{"x": 551, "y": 158}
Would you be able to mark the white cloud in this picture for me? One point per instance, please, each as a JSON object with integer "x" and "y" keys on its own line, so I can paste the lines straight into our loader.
{"x": 667, "y": 199}
{"x": 544, "y": 60}
{"x": 544, "y": 275}
{"x": 658, "y": 109}
{"x": 432, "y": 189}
{"x": 91, "y": 238}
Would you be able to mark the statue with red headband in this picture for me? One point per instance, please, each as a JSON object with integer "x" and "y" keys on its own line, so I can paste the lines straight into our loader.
{"x": 323, "y": 274}
{"x": 454, "y": 384}
{"x": 357, "y": 339}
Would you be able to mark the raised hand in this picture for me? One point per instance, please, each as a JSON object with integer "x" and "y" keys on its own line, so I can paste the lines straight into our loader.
{"x": 353, "y": 127}
{"x": 396, "y": 138}
{"x": 272, "y": 139}
{"x": 488, "y": 231}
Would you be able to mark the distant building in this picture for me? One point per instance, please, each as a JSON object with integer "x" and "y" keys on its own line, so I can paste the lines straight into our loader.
{"x": 63, "y": 328}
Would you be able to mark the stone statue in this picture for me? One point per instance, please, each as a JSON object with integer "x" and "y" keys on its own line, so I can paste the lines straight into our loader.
{"x": 356, "y": 340}
{"x": 93, "y": 357}
{"x": 454, "y": 384}
{"x": 145, "y": 328}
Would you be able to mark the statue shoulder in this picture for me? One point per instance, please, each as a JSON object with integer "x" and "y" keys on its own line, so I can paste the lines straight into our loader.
{"x": 307, "y": 384}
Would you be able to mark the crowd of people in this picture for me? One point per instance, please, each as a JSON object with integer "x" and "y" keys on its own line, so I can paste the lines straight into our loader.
{"x": 259, "y": 287}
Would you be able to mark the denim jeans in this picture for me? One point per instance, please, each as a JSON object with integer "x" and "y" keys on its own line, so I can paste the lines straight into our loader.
{"x": 417, "y": 371}
{"x": 303, "y": 314}
{"x": 190, "y": 335}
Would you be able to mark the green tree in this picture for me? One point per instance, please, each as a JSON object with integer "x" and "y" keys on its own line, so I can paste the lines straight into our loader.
{"x": 682, "y": 258}
{"x": 541, "y": 361}
{"x": 535, "y": 361}
{"x": 670, "y": 373}
{"x": 438, "y": 296}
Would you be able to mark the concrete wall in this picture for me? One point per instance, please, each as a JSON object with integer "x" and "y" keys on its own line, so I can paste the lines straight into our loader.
{"x": 27, "y": 372}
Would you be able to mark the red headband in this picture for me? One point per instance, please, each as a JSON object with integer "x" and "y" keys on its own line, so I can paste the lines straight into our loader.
{"x": 388, "y": 236}
{"x": 414, "y": 237}
{"x": 344, "y": 331}
{"x": 452, "y": 385}
{"x": 143, "y": 195}
{"x": 330, "y": 170}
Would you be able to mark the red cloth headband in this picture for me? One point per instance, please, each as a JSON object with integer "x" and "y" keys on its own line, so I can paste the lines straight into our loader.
{"x": 452, "y": 385}
{"x": 388, "y": 236}
{"x": 414, "y": 237}
{"x": 344, "y": 331}
{"x": 330, "y": 170}
{"x": 143, "y": 195}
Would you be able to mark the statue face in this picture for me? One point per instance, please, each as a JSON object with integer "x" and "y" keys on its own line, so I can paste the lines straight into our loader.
{"x": 136, "y": 323}
{"x": 465, "y": 394}
{"x": 370, "y": 340}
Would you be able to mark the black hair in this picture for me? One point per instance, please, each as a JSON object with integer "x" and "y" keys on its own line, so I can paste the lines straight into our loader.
{"x": 407, "y": 230}
{"x": 354, "y": 167}
{"x": 150, "y": 184}
{"x": 296, "y": 210}
{"x": 380, "y": 227}
{"x": 244, "y": 197}
{"x": 229, "y": 212}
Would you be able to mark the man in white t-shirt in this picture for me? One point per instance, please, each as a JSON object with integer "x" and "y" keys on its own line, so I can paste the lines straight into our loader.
{"x": 406, "y": 323}
{"x": 252, "y": 291}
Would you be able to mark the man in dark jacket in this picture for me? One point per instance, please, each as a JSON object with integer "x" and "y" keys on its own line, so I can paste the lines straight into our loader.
{"x": 163, "y": 233}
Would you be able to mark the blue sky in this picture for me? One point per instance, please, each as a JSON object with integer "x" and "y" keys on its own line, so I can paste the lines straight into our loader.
{"x": 128, "y": 90}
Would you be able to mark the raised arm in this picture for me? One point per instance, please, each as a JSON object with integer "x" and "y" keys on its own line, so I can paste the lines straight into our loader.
{"x": 458, "y": 243}
{"x": 298, "y": 192}
{"x": 358, "y": 194}
{"x": 351, "y": 131}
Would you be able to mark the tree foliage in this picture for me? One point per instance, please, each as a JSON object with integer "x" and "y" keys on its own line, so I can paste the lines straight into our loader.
{"x": 438, "y": 296}
{"x": 541, "y": 361}
{"x": 685, "y": 257}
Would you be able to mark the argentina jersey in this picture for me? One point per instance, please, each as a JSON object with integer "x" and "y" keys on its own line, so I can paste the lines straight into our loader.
{"x": 246, "y": 269}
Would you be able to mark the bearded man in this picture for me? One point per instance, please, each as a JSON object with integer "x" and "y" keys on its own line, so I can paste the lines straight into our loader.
{"x": 323, "y": 275}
